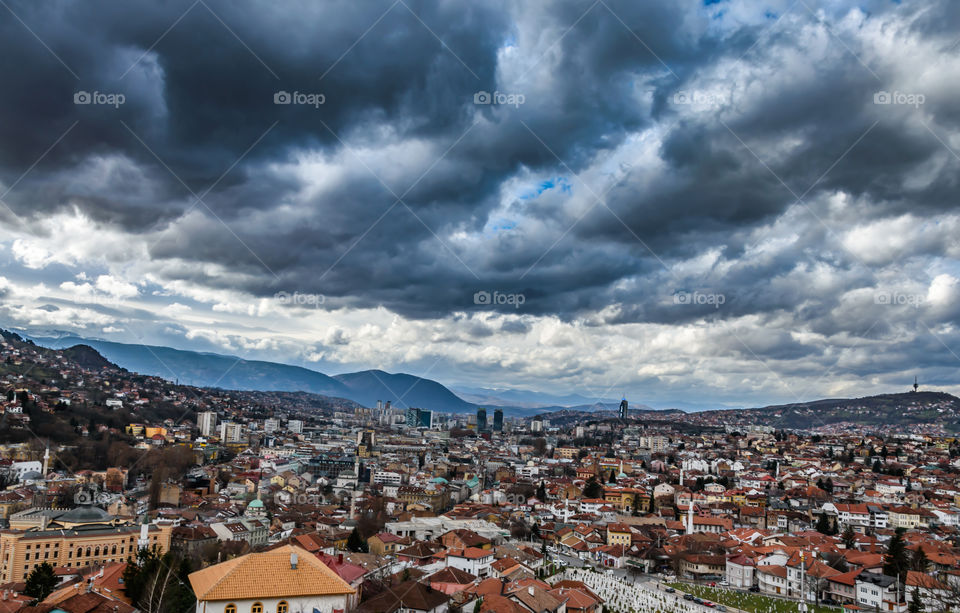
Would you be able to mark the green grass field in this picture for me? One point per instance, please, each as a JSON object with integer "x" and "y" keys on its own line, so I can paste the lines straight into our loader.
{"x": 755, "y": 603}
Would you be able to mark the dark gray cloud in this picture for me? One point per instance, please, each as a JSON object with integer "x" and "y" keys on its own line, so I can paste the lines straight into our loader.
{"x": 661, "y": 150}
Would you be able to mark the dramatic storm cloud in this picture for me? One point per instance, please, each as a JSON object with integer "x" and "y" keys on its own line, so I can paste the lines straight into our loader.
{"x": 717, "y": 202}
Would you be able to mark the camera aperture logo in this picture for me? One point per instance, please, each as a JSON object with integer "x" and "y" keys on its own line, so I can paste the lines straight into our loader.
{"x": 298, "y": 299}
{"x": 899, "y": 98}
{"x": 499, "y": 98}
{"x": 497, "y": 298}
{"x": 696, "y": 97}
{"x": 301, "y": 98}
{"x": 700, "y": 298}
{"x": 99, "y": 98}
{"x": 887, "y": 298}
{"x": 88, "y": 496}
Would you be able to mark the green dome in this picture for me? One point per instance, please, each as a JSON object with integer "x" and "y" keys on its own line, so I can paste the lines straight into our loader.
{"x": 256, "y": 503}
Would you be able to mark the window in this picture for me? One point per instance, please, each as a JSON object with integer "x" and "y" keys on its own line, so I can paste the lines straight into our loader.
{"x": 256, "y": 608}
{"x": 282, "y": 607}
{"x": 231, "y": 608}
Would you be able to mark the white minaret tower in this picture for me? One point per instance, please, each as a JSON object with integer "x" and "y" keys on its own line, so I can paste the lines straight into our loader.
{"x": 690, "y": 516}
{"x": 144, "y": 541}
{"x": 681, "y": 477}
{"x": 46, "y": 461}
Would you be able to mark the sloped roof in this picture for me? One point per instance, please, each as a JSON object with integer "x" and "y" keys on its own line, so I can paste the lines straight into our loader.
{"x": 243, "y": 577}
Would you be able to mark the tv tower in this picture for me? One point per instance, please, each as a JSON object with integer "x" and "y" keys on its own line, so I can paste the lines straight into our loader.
{"x": 916, "y": 385}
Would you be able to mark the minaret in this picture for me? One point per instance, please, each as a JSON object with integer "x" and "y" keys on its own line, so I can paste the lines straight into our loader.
{"x": 46, "y": 460}
{"x": 144, "y": 542}
{"x": 681, "y": 477}
{"x": 690, "y": 516}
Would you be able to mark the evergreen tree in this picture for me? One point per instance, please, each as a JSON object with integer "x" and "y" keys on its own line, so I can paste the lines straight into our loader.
{"x": 849, "y": 537}
{"x": 356, "y": 543}
{"x": 613, "y": 476}
{"x": 877, "y": 467}
{"x": 823, "y": 524}
{"x": 636, "y": 505}
{"x": 919, "y": 561}
{"x": 828, "y": 485}
{"x": 896, "y": 562}
{"x": 41, "y": 581}
{"x": 820, "y": 483}
{"x": 592, "y": 489}
{"x": 542, "y": 492}
{"x": 158, "y": 582}
{"x": 916, "y": 604}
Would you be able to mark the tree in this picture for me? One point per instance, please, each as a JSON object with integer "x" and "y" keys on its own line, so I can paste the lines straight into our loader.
{"x": 877, "y": 467}
{"x": 896, "y": 563}
{"x": 592, "y": 489}
{"x": 636, "y": 505}
{"x": 542, "y": 492}
{"x": 828, "y": 485}
{"x": 356, "y": 543}
{"x": 41, "y": 581}
{"x": 158, "y": 583}
{"x": 613, "y": 476}
{"x": 849, "y": 537}
{"x": 916, "y": 604}
{"x": 823, "y": 524}
{"x": 919, "y": 561}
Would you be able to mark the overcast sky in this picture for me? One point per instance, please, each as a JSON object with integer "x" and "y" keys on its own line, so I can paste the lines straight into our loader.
{"x": 715, "y": 202}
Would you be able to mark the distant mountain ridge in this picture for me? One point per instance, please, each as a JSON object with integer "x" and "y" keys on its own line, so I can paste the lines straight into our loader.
{"x": 881, "y": 410}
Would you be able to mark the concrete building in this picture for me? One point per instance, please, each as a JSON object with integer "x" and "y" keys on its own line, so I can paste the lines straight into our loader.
{"x": 207, "y": 423}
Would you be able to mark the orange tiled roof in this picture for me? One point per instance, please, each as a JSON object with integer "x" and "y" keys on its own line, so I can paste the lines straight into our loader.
{"x": 243, "y": 578}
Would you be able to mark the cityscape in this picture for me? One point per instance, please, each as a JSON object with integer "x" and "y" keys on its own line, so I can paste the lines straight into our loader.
{"x": 437, "y": 306}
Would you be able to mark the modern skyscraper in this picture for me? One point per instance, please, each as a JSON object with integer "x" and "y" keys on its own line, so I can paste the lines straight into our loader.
{"x": 498, "y": 420}
{"x": 207, "y": 423}
{"x": 481, "y": 420}
{"x": 425, "y": 419}
{"x": 623, "y": 408}
{"x": 412, "y": 417}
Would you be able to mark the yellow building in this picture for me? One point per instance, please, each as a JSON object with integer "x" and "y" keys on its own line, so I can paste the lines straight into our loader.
{"x": 618, "y": 534}
{"x": 83, "y": 536}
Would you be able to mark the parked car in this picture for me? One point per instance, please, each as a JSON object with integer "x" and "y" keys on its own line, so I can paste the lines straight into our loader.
{"x": 688, "y": 596}
{"x": 724, "y": 583}
{"x": 670, "y": 590}
{"x": 707, "y": 603}
{"x": 721, "y": 608}
{"x": 712, "y": 584}
{"x": 698, "y": 600}
{"x": 754, "y": 588}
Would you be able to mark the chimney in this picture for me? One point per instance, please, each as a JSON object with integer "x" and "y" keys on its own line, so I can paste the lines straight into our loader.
{"x": 293, "y": 561}
{"x": 340, "y": 558}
